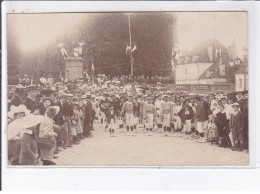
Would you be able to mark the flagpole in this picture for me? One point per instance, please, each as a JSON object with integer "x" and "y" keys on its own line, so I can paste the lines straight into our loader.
{"x": 92, "y": 67}
{"x": 130, "y": 38}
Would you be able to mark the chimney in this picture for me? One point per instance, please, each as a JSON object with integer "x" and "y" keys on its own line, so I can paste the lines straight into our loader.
{"x": 222, "y": 68}
{"x": 245, "y": 58}
{"x": 210, "y": 53}
{"x": 232, "y": 51}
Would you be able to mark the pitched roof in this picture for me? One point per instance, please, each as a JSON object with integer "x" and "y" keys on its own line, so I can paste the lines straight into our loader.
{"x": 211, "y": 72}
{"x": 201, "y": 50}
{"x": 242, "y": 69}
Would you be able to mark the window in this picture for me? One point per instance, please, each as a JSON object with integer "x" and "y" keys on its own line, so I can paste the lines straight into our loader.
{"x": 240, "y": 83}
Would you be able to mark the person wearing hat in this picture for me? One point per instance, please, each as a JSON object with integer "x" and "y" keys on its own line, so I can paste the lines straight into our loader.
{"x": 149, "y": 115}
{"x": 187, "y": 116}
{"x": 111, "y": 118}
{"x": 46, "y": 130}
{"x": 61, "y": 121}
{"x": 43, "y": 80}
{"x": 88, "y": 112}
{"x": 158, "y": 104}
{"x": 201, "y": 118}
{"x": 244, "y": 111}
{"x": 176, "y": 120}
{"x": 222, "y": 121}
{"x": 141, "y": 103}
{"x": 15, "y": 132}
{"x": 117, "y": 105}
{"x": 28, "y": 154}
{"x": 166, "y": 115}
{"x": 94, "y": 110}
{"x": 236, "y": 128}
{"x": 68, "y": 112}
{"x": 46, "y": 102}
{"x": 75, "y": 118}
{"x": 78, "y": 114}
{"x": 48, "y": 92}
{"x": 128, "y": 112}
{"x": 29, "y": 101}
{"x": 25, "y": 80}
{"x": 239, "y": 97}
{"x": 17, "y": 98}
{"x": 38, "y": 100}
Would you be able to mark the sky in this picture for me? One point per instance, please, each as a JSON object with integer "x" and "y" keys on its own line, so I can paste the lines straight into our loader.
{"x": 34, "y": 31}
{"x": 194, "y": 27}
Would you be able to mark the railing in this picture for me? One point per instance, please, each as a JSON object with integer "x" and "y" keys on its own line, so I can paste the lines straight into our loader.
{"x": 190, "y": 88}
{"x": 198, "y": 88}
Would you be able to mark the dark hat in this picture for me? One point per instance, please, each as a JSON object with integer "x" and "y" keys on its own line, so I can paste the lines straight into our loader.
{"x": 45, "y": 99}
{"x": 19, "y": 88}
{"x": 47, "y": 91}
{"x": 239, "y": 92}
{"x": 245, "y": 92}
{"x": 198, "y": 98}
{"x": 211, "y": 94}
{"x": 38, "y": 96}
{"x": 31, "y": 87}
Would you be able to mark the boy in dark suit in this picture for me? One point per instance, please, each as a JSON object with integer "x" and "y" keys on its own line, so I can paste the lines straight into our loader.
{"x": 111, "y": 116}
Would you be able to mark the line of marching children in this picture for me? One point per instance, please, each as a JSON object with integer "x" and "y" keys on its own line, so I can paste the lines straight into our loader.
{"x": 216, "y": 118}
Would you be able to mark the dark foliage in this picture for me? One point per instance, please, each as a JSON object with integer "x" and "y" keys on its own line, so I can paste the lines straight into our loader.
{"x": 106, "y": 36}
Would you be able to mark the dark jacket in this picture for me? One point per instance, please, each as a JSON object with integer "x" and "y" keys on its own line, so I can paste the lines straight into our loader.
{"x": 201, "y": 113}
{"x": 59, "y": 117}
{"x": 16, "y": 101}
{"x": 30, "y": 104}
{"x": 110, "y": 116}
{"x": 184, "y": 116}
{"x": 88, "y": 109}
{"x": 68, "y": 109}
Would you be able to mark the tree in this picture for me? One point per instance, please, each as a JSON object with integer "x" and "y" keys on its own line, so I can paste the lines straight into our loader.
{"x": 108, "y": 35}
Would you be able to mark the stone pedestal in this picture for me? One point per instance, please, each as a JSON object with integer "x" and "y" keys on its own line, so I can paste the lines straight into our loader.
{"x": 73, "y": 68}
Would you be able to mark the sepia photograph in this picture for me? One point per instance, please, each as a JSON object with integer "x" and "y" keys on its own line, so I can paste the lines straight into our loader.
{"x": 127, "y": 89}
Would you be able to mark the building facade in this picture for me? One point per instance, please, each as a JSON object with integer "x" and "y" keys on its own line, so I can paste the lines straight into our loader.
{"x": 208, "y": 63}
{"x": 241, "y": 79}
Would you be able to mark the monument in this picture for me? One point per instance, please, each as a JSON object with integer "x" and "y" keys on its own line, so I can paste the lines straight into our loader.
{"x": 72, "y": 60}
{"x": 73, "y": 68}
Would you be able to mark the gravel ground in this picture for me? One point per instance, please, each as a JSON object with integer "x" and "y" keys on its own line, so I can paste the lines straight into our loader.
{"x": 143, "y": 150}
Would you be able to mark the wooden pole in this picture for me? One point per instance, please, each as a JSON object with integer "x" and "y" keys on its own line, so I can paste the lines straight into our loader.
{"x": 131, "y": 56}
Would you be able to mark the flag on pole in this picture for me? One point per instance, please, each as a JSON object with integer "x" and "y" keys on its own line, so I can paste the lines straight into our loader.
{"x": 92, "y": 66}
{"x": 134, "y": 48}
{"x": 128, "y": 48}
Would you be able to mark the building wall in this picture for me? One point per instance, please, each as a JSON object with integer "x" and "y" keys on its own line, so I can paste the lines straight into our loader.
{"x": 241, "y": 81}
{"x": 212, "y": 81}
{"x": 190, "y": 73}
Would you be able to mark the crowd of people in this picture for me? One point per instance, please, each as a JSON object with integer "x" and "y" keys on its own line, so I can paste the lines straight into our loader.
{"x": 47, "y": 118}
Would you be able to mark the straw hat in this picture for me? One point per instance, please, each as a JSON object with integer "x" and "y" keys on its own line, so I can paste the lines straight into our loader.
{"x": 57, "y": 109}
{"x": 235, "y": 104}
{"x": 31, "y": 87}
{"x": 18, "y": 109}
{"x": 14, "y": 128}
{"x": 31, "y": 120}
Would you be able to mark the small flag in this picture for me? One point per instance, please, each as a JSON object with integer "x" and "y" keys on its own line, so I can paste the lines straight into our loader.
{"x": 216, "y": 53}
{"x": 128, "y": 48}
{"x": 134, "y": 48}
{"x": 92, "y": 66}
